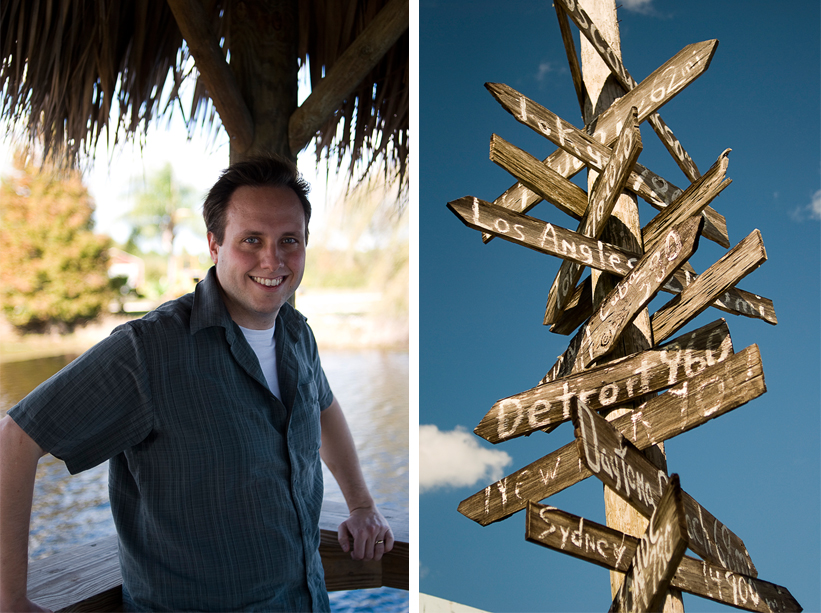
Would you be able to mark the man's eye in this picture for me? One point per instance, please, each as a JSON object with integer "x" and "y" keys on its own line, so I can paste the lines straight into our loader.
{"x": 289, "y": 240}
{"x": 251, "y": 239}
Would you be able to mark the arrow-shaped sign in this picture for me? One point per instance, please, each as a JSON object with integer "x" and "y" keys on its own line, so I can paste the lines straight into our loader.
{"x": 611, "y": 384}
{"x": 623, "y": 468}
{"x": 717, "y": 390}
{"x": 657, "y": 89}
{"x": 613, "y": 549}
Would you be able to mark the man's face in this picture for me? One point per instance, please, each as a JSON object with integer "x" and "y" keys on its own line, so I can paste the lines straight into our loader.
{"x": 262, "y": 257}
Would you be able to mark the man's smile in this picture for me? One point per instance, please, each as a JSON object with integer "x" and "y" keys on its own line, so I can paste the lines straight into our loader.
{"x": 268, "y": 282}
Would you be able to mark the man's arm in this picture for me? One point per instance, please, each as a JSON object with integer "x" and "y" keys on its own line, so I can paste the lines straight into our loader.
{"x": 19, "y": 455}
{"x": 370, "y": 531}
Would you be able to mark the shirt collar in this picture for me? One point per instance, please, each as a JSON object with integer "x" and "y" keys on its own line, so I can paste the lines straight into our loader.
{"x": 209, "y": 310}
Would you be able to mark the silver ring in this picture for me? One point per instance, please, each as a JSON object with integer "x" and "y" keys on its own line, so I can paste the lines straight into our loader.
{"x": 377, "y": 542}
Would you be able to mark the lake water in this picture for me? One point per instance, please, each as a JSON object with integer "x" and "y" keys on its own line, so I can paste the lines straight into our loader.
{"x": 371, "y": 386}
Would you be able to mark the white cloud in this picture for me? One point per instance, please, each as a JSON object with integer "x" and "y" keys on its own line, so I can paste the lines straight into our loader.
{"x": 455, "y": 459}
{"x": 640, "y": 6}
{"x": 815, "y": 205}
{"x": 544, "y": 69}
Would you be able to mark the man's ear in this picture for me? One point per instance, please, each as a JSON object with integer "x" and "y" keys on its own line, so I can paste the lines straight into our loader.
{"x": 213, "y": 247}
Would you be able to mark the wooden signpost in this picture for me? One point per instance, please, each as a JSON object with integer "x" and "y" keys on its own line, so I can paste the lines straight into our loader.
{"x": 698, "y": 374}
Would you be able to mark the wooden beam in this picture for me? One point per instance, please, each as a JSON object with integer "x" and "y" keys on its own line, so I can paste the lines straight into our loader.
{"x": 658, "y": 555}
{"x": 351, "y": 67}
{"x": 87, "y": 577}
{"x": 215, "y": 72}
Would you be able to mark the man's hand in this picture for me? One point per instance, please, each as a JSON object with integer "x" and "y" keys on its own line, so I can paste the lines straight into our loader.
{"x": 370, "y": 533}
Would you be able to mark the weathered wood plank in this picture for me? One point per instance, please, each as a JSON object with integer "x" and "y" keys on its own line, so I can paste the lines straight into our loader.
{"x": 656, "y": 190}
{"x": 736, "y": 264}
{"x": 613, "y": 383}
{"x": 738, "y": 380}
{"x": 541, "y": 236}
{"x": 542, "y": 180}
{"x": 87, "y": 577}
{"x": 636, "y": 290}
{"x": 620, "y": 465}
{"x": 572, "y": 56}
{"x": 612, "y": 549}
{"x": 657, "y": 89}
{"x": 611, "y": 59}
{"x": 691, "y": 202}
{"x": 603, "y": 196}
{"x": 658, "y": 555}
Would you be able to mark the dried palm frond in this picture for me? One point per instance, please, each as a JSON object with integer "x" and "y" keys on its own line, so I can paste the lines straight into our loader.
{"x": 69, "y": 68}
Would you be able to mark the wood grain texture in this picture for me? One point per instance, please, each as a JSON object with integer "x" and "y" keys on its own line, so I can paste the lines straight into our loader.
{"x": 656, "y": 190}
{"x": 635, "y": 291}
{"x": 736, "y": 264}
{"x": 87, "y": 577}
{"x": 621, "y": 466}
{"x": 657, "y": 89}
{"x": 683, "y": 407}
{"x": 602, "y": 199}
{"x": 349, "y": 69}
{"x": 612, "y": 60}
{"x": 612, "y": 549}
{"x": 541, "y": 236}
{"x": 215, "y": 72}
{"x": 659, "y": 552}
{"x": 611, "y": 384}
{"x": 692, "y": 202}
{"x": 540, "y": 179}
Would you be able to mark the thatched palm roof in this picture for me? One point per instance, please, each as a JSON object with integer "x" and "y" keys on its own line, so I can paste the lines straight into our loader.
{"x": 72, "y": 69}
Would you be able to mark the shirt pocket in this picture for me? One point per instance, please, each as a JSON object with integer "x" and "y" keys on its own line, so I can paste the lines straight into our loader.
{"x": 305, "y": 431}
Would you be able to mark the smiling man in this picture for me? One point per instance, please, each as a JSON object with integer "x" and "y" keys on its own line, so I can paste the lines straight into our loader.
{"x": 213, "y": 411}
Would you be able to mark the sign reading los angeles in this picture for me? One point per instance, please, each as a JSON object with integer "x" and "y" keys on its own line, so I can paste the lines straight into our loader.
{"x": 667, "y": 387}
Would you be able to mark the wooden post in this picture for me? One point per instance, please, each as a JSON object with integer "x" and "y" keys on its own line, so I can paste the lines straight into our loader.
{"x": 264, "y": 38}
{"x": 624, "y": 230}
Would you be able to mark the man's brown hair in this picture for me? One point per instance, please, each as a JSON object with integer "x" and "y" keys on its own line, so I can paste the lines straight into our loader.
{"x": 263, "y": 171}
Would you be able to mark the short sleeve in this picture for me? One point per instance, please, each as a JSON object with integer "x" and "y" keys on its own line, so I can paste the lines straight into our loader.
{"x": 93, "y": 409}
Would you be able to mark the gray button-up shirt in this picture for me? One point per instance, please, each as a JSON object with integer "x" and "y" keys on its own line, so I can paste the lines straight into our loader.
{"x": 215, "y": 484}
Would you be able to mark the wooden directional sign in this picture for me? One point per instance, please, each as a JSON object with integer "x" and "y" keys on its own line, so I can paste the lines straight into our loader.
{"x": 563, "y": 243}
{"x": 613, "y": 549}
{"x": 736, "y": 264}
{"x": 608, "y": 385}
{"x": 657, "y": 557}
{"x": 717, "y": 390}
{"x": 636, "y": 290}
{"x": 603, "y": 197}
{"x": 656, "y": 90}
{"x": 691, "y": 202}
{"x": 542, "y": 236}
{"x": 656, "y": 190}
{"x": 611, "y": 59}
{"x": 541, "y": 179}
{"x": 623, "y": 468}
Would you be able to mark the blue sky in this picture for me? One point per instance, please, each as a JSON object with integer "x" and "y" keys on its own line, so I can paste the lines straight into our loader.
{"x": 481, "y": 306}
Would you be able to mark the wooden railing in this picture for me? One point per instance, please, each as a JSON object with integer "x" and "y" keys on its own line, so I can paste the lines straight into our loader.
{"x": 87, "y": 577}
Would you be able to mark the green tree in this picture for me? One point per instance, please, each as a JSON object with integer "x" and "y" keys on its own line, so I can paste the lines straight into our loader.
{"x": 52, "y": 266}
{"x": 163, "y": 207}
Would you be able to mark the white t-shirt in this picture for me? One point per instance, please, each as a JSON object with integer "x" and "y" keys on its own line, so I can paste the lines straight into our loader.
{"x": 264, "y": 345}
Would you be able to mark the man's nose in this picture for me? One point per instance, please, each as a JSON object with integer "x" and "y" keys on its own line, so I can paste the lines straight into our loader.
{"x": 272, "y": 258}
